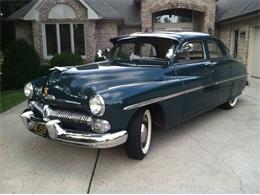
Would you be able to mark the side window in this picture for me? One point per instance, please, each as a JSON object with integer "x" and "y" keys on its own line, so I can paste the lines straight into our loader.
{"x": 124, "y": 51}
{"x": 191, "y": 51}
{"x": 148, "y": 50}
{"x": 214, "y": 50}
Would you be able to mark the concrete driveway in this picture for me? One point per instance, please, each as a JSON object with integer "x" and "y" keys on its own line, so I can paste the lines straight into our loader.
{"x": 216, "y": 152}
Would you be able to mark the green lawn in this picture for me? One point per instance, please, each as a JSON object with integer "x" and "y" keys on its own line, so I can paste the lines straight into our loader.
{"x": 9, "y": 99}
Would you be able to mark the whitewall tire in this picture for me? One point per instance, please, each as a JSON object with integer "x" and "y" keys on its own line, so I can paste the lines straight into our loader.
{"x": 139, "y": 134}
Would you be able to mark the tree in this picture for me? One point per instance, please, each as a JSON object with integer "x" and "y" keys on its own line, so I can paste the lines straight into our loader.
{"x": 7, "y": 27}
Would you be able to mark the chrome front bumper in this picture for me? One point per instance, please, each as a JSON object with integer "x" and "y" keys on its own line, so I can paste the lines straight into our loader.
{"x": 57, "y": 133}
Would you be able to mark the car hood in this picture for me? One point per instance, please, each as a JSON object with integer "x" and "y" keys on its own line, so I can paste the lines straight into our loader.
{"x": 78, "y": 83}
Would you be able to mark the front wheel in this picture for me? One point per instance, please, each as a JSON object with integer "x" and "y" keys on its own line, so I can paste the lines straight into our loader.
{"x": 230, "y": 104}
{"x": 139, "y": 135}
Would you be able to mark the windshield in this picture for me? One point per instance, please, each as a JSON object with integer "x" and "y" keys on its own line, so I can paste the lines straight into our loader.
{"x": 144, "y": 51}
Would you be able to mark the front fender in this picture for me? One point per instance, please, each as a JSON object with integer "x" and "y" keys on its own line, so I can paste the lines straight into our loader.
{"x": 119, "y": 98}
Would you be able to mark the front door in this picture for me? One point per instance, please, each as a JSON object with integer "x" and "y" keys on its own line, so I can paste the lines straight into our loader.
{"x": 197, "y": 75}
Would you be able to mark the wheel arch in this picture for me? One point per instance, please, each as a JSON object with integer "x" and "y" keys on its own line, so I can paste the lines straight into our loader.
{"x": 157, "y": 112}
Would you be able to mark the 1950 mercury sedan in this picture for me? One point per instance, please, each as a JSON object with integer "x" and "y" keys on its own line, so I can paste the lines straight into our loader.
{"x": 148, "y": 79}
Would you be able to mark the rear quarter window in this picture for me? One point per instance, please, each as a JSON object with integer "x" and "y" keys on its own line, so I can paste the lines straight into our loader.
{"x": 214, "y": 50}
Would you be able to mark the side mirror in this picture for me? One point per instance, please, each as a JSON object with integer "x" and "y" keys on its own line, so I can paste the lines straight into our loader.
{"x": 188, "y": 47}
{"x": 100, "y": 53}
{"x": 103, "y": 54}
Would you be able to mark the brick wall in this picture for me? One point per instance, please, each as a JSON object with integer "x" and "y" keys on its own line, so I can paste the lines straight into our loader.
{"x": 243, "y": 25}
{"x": 125, "y": 30}
{"x": 105, "y": 31}
{"x": 206, "y": 7}
{"x": 23, "y": 30}
{"x": 98, "y": 32}
{"x": 37, "y": 38}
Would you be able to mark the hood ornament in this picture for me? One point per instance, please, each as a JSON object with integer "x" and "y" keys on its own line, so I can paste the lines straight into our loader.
{"x": 45, "y": 91}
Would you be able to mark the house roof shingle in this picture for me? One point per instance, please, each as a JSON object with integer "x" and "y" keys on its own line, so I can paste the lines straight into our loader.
{"x": 19, "y": 14}
{"x": 106, "y": 9}
{"x": 127, "y": 10}
{"x": 229, "y": 9}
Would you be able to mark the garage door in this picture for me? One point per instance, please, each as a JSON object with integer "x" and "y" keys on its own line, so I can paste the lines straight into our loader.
{"x": 256, "y": 54}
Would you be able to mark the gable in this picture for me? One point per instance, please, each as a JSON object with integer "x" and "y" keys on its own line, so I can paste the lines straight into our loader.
{"x": 229, "y": 9}
{"x": 30, "y": 11}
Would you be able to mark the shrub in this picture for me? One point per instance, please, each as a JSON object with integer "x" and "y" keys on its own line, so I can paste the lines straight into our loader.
{"x": 1, "y": 61}
{"x": 21, "y": 64}
{"x": 66, "y": 59}
{"x": 42, "y": 71}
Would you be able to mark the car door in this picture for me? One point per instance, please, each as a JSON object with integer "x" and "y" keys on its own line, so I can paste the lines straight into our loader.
{"x": 222, "y": 66}
{"x": 196, "y": 72}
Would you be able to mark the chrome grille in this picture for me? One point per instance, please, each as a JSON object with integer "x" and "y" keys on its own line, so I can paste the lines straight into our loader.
{"x": 64, "y": 115}
{"x": 69, "y": 116}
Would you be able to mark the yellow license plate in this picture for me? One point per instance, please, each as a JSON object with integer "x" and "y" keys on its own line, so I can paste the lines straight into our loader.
{"x": 40, "y": 130}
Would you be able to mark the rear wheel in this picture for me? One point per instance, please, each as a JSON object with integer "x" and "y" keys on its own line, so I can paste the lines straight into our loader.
{"x": 230, "y": 104}
{"x": 139, "y": 135}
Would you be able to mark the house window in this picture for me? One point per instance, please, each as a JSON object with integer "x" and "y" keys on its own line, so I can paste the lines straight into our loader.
{"x": 78, "y": 30}
{"x": 62, "y": 11}
{"x": 234, "y": 43}
{"x": 51, "y": 39}
{"x": 174, "y": 20}
{"x": 64, "y": 37}
{"x": 175, "y": 16}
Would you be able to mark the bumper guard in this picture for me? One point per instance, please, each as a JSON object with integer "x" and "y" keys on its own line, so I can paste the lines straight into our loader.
{"x": 57, "y": 133}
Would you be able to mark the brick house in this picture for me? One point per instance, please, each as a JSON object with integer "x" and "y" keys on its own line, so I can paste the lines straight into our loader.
{"x": 84, "y": 26}
{"x": 238, "y": 26}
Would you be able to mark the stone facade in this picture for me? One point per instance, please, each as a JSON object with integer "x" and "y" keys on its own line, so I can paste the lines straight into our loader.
{"x": 99, "y": 31}
{"x": 206, "y": 7}
{"x": 23, "y": 30}
{"x": 125, "y": 30}
{"x": 243, "y": 26}
{"x": 109, "y": 29}
{"x": 81, "y": 13}
{"x": 105, "y": 31}
{"x": 37, "y": 38}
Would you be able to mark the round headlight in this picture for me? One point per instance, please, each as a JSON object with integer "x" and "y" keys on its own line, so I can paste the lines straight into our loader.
{"x": 28, "y": 90}
{"x": 97, "y": 105}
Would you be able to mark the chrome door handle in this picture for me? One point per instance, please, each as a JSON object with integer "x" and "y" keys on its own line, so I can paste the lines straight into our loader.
{"x": 210, "y": 63}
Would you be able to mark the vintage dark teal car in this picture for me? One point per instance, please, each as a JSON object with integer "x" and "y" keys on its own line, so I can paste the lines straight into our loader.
{"x": 148, "y": 79}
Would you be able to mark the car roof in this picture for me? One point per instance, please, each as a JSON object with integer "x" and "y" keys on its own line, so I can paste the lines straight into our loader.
{"x": 178, "y": 36}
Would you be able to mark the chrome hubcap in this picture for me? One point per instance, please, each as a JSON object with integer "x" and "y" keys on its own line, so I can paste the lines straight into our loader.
{"x": 146, "y": 130}
{"x": 144, "y": 133}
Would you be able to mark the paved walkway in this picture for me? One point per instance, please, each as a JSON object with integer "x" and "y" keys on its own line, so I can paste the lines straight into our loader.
{"x": 216, "y": 152}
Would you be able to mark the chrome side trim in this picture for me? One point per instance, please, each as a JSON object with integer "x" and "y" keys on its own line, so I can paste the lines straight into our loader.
{"x": 231, "y": 79}
{"x": 64, "y": 101}
{"x": 152, "y": 101}
{"x": 198, "y": 88}
{"x": 159, "y": 99}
